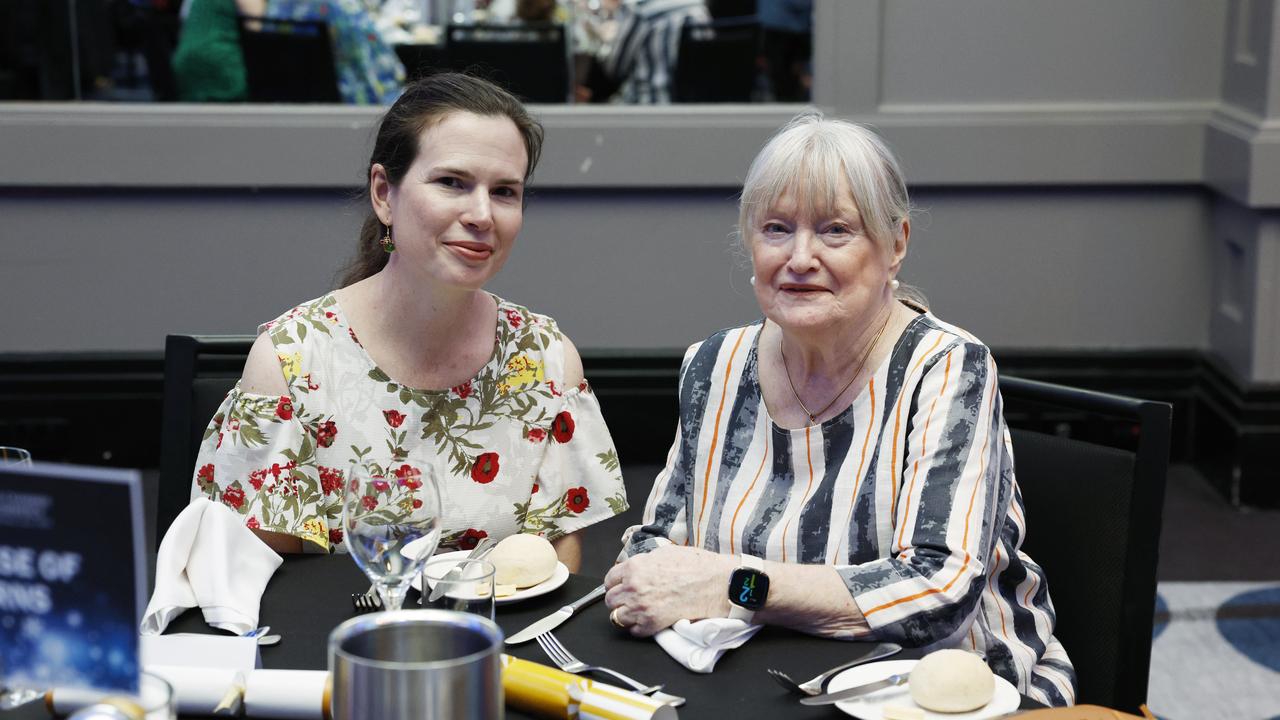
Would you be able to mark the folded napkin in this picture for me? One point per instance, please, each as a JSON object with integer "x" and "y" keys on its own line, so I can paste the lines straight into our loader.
{"x": 210, "y": 559}
{"x": 544, "y": 691}
{"x": 698, "y": 645}
{"x": 295, "y": 694}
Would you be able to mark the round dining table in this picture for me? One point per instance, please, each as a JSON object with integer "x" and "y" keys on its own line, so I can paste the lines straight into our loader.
{"x": 309, "y": 595}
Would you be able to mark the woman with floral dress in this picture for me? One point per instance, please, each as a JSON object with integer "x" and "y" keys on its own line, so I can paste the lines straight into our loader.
{"x": 411, "y": 366}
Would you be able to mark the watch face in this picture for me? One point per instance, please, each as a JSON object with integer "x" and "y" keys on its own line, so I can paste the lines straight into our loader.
{"x": 748, "y": 588}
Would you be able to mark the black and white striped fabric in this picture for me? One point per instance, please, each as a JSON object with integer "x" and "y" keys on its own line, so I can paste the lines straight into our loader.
{"x": 909, "y": 493}
{"x": 644, "y": 53}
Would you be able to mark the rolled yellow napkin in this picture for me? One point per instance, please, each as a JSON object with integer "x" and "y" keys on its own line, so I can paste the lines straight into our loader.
{"x": 550, "y": 693}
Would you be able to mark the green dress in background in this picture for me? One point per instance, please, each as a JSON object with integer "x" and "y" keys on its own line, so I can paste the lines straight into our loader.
{"x": 208, "y": 64}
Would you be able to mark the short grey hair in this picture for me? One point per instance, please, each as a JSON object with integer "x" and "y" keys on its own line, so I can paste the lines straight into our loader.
{"x": 807, "y": 158}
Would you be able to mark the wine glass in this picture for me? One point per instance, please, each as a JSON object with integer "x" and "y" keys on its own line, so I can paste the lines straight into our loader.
{"x": 12, "y": 697}
{"x": 391, "y": 522}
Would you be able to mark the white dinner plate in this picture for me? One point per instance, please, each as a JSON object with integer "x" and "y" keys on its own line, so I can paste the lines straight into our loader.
{"x": 558, "y": 578}
{"x": 871, "y": 707}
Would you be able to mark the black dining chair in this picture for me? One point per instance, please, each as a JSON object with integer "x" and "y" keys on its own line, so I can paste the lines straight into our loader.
{"x": 717, "y": 61}
{"x": 1093, "y": 517}
{"x": 530, "y": 61}
{"x": 288, "y": 61}
{"x": 199, "y": 370}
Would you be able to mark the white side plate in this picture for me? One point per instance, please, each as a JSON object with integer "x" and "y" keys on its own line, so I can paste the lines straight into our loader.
{"x": 558, "y": 578}
{"x": 871, "y": 707}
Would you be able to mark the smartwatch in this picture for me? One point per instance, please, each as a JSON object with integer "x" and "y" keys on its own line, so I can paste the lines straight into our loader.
{"x": 748, "y": 589}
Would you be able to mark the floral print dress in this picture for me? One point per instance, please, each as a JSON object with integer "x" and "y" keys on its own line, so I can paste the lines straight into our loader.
{"x": 369, "y": 73}
{"x": 513, "y": 449}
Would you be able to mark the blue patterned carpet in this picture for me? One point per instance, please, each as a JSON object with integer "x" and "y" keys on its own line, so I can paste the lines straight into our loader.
{"x": 1216, "y": 652}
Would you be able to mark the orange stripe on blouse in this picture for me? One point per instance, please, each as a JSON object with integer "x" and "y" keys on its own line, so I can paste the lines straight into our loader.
{"x": 924, "y": 448}
{"x": 733, "y": 524}
{"x": 715, "y": 438}
{"x": 857, "y": 479}
{"x": 923, "y": 593}
{"x": 897, "y": 424}
{"x": 808, "y": 453}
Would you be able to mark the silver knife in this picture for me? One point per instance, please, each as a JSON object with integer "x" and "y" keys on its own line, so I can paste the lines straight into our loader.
{"x": 552, "y": 621}
{"x": 486, "y": 545}
{"x": 854, "y": 692}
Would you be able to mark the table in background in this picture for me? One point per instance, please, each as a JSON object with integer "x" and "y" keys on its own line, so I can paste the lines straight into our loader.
{"x": 310, "y": 595}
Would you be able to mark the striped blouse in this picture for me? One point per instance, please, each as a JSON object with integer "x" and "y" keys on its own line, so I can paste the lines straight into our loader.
{"x": 909, "y": 493}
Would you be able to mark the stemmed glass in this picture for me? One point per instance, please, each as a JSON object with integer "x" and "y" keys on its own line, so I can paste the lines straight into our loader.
{"x": 12, "y": 697}
{"x": 391, "y": 522}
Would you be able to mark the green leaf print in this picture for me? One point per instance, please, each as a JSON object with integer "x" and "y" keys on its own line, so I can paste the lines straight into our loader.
{"x": 608, "y": 459}
{"x": 617, "y": 503}
{"x": 378, "y": 376}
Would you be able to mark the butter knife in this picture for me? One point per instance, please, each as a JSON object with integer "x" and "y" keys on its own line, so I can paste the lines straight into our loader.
{"x": 479, "y": 551}
{"x": 552, "y": 621}
{"x": 853, "y": 692}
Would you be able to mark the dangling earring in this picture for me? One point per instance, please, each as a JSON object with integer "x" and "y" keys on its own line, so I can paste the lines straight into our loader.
{"x": 894, "y": 284}
{"x": 387, "y": 245}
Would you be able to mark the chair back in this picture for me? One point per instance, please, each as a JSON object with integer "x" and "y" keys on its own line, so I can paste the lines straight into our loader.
{"x": 717, "y": 61}
{"x": 199, "y": 370}
{"x": 530, "y": 61}
{"x": 1093, "y": 523}
{"x": 288, "y": 61}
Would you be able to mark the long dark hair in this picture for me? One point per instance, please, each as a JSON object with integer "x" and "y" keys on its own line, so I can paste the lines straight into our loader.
{"x": 424, "y": 103}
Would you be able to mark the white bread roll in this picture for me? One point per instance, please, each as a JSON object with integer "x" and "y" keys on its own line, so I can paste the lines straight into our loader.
{"x": 523, "y": 560}
{"x": 952, "y": 681}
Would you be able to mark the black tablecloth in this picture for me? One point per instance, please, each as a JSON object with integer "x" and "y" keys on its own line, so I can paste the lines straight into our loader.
{"x": 310, "y": 595}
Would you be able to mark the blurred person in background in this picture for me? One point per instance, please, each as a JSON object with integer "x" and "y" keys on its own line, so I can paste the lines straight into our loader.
{"x": 642, "y": 58}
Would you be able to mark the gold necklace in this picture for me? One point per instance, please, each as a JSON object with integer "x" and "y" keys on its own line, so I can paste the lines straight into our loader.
{"x": 813, "y": 417}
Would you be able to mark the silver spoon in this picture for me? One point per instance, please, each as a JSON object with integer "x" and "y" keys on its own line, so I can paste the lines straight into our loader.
{"x": 816, "y": 685}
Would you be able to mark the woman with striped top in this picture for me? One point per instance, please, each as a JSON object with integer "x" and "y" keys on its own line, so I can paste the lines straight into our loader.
{"x": 850, "y": 439}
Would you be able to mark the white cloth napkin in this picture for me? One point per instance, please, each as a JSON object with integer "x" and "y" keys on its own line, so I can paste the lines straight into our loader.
{"x": 294, "y": 694}
{"x": 698, "y": 645}
{"x": 210, "y": 559}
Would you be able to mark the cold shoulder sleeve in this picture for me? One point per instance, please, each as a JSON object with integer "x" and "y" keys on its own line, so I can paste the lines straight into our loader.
{"x": 579, "y": 480}
{"x": 258, "y": 458}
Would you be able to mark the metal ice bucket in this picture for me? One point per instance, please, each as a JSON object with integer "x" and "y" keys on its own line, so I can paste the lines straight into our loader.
{"x": 416, "y": 665}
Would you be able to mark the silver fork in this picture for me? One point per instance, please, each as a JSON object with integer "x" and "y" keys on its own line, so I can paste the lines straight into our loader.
{"x": 367, "y": 601}
{"x": 816, "y": 685}
{"x": 567, "y": 662}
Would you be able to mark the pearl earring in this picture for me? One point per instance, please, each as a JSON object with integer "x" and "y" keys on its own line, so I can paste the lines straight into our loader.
{"x": 894, "y": 284}
{"x": 752, "y": 280}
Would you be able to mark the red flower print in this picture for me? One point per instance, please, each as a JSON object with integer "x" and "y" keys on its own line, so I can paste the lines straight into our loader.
{"x": 369, "y": 502}
{"x": 551, "y": 385}
{"x": 330, "y": 480}
{"x": 537, "y": 435}
{"x": 354, "y": 339}
{"x": 470, "y": 538}
{"x": 562, "y": 427}
{"x": 233, "y": 496}
{"x": 514, "y": 319}
{"x": 583, "y": 387}
{"x": 257, "y": 477}
{"x": 393, "y": 417}
{"x": 408, "y": 476}
{"x": 235, "y": 424}
{"x": 204, "y": 475}
{"x": 485, "y": 468}
{"x": 252, "y": 523}
{"x": 464, "y": 390}
{"x": 535, "y": 488}
{"x": 381, "y": 485}
{"x": 576, "y": 499}
{"x": 219, "y": 445}
{"x": 335, "y": 536}
{"x": 417, "y": 503}
{"x": 276, "y": 470}
{"x": 326, "y": 433}
{"x": 284, "y": 409}
{"x": 311, "y": 385}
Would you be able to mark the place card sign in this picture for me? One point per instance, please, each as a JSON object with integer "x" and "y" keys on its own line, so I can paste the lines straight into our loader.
{"x": 71, "y": 577}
